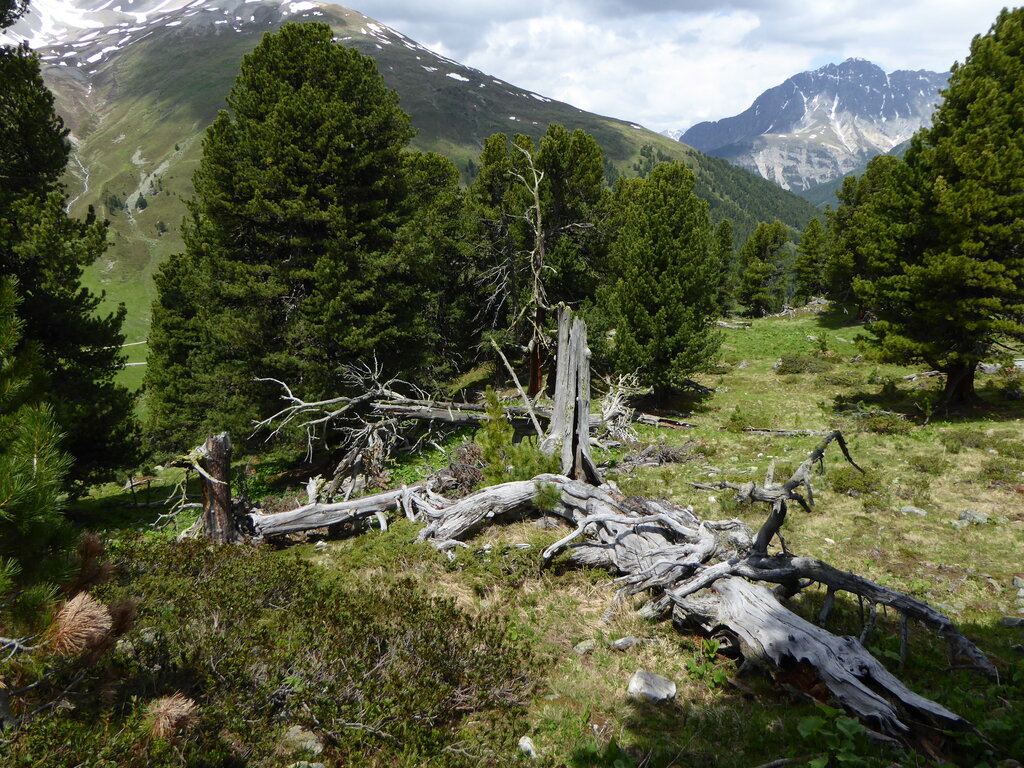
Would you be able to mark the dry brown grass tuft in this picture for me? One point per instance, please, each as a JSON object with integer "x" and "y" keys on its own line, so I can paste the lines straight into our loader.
{"x": 170, "y": 716}
{"x": 81, "y": 625}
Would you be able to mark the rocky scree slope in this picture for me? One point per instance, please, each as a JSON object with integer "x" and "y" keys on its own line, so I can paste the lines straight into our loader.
{"x": 820, "y": 125}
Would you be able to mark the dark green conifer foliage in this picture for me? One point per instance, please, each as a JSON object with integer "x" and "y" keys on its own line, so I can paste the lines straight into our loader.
{"x": 573, "y": 198}
{"x": 291, "y": 267}
{"x": 762, "y": 275}
{"x": 573, "y": 191}
{"x": 33, "y": 536}
{"x": 945, "y": 274}
{"x": 10, "y": 10}
{"x": 663, "y": 302}
{"x": 809, "y": 265}
{"x": 861, "y": 224}
{"x": 435, "y": 241}
{"x": 725, "y": 264}
{"x": 46, "y": 250}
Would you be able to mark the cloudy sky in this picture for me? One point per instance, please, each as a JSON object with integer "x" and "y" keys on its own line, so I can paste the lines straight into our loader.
{"x": 671, "y": 64}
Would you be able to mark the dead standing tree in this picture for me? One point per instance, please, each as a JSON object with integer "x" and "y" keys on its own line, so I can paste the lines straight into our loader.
{"x": 569, "y": 432}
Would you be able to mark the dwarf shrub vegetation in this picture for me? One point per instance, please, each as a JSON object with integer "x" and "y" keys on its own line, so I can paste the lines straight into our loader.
{"x": 261, "y": 640}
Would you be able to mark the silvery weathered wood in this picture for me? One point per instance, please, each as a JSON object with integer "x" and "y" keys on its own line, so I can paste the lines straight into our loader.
{"x": 569, "y": 428}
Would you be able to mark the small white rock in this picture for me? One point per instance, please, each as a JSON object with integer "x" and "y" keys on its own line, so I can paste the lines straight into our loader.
{"x": 527, "y": 747}
{"x": 647, "y": 685}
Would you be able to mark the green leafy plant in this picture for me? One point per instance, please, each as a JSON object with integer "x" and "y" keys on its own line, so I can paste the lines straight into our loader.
{"x": 505, "y": 459}
{"x": 704, "y": 665}
{"x": 799, "y": 363}
{"x": 841, "y": 736}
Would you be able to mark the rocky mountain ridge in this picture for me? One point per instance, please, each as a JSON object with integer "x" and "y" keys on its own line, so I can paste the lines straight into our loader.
{"x": 820, "y": 125}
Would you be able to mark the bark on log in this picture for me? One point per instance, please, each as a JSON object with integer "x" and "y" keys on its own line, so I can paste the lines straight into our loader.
{"x": 218, "y": 519}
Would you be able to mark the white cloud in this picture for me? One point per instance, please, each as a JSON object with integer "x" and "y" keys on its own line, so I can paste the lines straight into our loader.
{"x": 670, "y": 64}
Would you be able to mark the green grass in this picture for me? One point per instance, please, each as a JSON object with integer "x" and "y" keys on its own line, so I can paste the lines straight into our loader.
{"x": 578, "y": 714}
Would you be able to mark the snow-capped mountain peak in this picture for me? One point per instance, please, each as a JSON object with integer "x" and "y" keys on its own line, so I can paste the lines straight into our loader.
{"x": 821, "y": 124}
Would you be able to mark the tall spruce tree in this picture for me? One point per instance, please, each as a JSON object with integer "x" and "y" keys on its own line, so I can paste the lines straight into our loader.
{"x": 663, "y": 302}
{"x": 809, "y": 265}
{"x": 290, "y": 269}
{"x": 573, "y": 197}
{"x": 861, "y": 225}
{"x": 762, "y": 275}
{"x": 945, "y": 272}
{"x": 46, "y": 250}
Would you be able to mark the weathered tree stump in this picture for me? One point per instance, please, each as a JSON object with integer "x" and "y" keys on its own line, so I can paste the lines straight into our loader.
{"x": 215, "y": 462}
{"x": 569, "y": 431}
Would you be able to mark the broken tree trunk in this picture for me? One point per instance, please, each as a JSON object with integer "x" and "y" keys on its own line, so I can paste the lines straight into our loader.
{"x": 569, "y": 430}
{"x": 215, "y": 462}
{"x": 703, "y": 574}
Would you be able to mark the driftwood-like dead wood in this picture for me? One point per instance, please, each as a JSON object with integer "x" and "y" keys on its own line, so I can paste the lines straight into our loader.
{"x": 569, "y": 429}
{"x": 703, "y": 573}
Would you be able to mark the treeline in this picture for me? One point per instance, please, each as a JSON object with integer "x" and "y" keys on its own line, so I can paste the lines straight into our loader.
{"x": 316, "y": 240}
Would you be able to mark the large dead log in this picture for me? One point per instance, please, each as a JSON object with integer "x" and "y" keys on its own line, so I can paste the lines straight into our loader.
{"x": 703, "y": 573}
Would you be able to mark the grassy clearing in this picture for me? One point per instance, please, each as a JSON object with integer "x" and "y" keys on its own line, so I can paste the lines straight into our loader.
{"x": 578, "y": 713}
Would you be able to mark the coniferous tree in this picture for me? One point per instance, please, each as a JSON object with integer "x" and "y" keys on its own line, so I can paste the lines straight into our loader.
{"x": 435, "y": 241}
{"x": 945, "y": 273}
{"x": 660, "y": 305}
{"x": 33, "y": 535}
{"x": 809, "y": 265}
{"x": 860, "y": 225}
{"x": 724, "y": 258}
{"x": 291, "y": 268}
{"x": 536, "y": 209}
{"x": 46, "y": 250}
{"x": 762, "y": 276}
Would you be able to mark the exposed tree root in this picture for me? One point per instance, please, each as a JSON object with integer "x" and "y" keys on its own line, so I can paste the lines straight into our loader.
{"x": 702, "y": 573}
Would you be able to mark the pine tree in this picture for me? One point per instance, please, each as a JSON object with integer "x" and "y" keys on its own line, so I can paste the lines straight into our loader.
{"x": 290, "y": 269}
{"x": 33, "y": 535}
{"x": 945, "y": 271}
{"x": 436, "y": 241}
{"x": 861, "y": 225}
{"x": 661, "y": 306}
{"x": 762, "y": 276}
{"x": 573, "y": 197}
{"x": 46, "y": 250}
{"x": 724, "y": 258}
{"x": 809, "y": 265}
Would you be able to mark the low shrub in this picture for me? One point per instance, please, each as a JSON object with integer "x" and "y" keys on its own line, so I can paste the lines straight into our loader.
{"x": 852, "y": 482}
{"x": 928, "y": 465}
{"x": 1000, "y": 470}
{"x": 884, "y": 423}
{"x": 255, "y": 642}
{"x": 504, "y": 459}
{"x": 843, "y": 379}
{"x": 958, "y": 440}
{"x": 796, "y": 363}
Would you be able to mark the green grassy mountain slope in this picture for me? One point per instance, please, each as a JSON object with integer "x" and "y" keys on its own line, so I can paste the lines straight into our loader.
{"x": 137, "y": 112}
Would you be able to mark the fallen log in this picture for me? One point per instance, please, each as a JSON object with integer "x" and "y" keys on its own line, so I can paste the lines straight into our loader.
{"x": 787, "y": 432}
{"x": 704, "y": 574}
